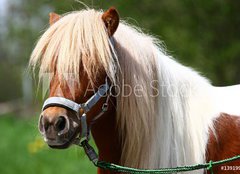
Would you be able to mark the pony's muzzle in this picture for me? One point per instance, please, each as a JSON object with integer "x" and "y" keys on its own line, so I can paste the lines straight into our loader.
{"x": 58, "y": 126}
{"x": 53, "y": 128}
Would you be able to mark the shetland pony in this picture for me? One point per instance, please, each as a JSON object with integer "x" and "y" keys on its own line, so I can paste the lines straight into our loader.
{"x": 160, "y": 113}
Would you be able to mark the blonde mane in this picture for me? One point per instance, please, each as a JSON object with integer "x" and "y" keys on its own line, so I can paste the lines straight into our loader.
{"x": 158, "y": 130}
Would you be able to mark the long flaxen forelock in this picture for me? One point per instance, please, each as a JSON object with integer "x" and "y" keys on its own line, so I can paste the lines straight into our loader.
{"x": 77, "y": 38}
{"x": 160, "y": 131}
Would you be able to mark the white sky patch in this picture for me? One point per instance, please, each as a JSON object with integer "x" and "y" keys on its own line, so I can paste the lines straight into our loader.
{"x": 3, "y": 7}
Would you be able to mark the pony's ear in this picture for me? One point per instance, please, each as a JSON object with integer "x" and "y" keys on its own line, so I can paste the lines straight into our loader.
{"x": 111, "y": 20}
{"x": 53, "y": 17}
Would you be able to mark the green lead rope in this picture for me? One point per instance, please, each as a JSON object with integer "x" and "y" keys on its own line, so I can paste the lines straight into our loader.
{"x": 117, "y": 168}
{"x": 208, "y": 166}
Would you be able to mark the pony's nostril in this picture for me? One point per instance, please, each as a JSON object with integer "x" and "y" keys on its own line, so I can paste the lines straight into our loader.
{"x": 46, "y": 126}
{"x": 60, "y": 123}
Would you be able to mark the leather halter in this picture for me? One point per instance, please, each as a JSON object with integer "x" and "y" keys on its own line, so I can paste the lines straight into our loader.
{"x": 86, "y": 107}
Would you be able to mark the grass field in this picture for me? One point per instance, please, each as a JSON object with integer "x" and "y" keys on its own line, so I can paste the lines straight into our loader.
{"x": 22, "y": 151}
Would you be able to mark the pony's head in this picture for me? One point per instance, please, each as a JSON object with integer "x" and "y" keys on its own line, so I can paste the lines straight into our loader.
{"x": 76, "y": 53}
{"x": 79, "y": 52}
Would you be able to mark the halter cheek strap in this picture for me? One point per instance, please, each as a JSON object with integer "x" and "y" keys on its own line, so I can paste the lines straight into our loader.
{"x": 86, "y": 107}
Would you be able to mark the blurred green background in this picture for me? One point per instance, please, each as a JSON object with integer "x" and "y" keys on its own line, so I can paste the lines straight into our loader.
{"x": 202, "y": 34}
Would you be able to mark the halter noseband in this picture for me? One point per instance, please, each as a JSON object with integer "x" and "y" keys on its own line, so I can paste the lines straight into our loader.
{"x": 87, "y": 106}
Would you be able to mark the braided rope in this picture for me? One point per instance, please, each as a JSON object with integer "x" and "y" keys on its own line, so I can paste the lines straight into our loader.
{"x": 208, "y": 166}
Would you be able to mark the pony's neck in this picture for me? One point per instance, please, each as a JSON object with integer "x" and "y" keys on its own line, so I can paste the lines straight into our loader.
{"x": 106, "y": 137}
{"x": 170, "y": 129}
